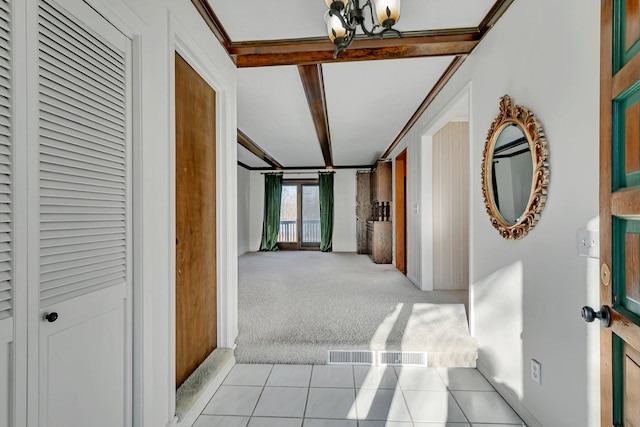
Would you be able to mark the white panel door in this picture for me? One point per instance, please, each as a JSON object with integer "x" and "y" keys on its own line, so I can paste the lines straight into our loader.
{"x": 83, "y": 224}
{"x": 7, "y": 386}
{"x": 6, "y": 368}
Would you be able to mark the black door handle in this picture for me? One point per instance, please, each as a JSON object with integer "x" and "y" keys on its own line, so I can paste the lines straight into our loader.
{"x": 51, "y": 317}
{"x": 589, "y": 315}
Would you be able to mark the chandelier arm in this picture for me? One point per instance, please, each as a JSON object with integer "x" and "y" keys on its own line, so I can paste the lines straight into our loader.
{"x": 393, "y": 30}
{"x": 344, "y": 45}
{"x": 371, "y": 32}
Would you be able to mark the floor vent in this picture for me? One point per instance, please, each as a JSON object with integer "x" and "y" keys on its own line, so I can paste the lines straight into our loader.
{"x": 350, "y": 357}
{"x": 402, "y": 358}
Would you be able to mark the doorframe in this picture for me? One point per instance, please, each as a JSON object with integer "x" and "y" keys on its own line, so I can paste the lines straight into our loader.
{"x": 460, "y": 102}
{"x": 226, "y": 195}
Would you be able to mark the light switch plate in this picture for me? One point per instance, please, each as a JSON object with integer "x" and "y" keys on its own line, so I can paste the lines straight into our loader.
{"x": 588, "y": 243}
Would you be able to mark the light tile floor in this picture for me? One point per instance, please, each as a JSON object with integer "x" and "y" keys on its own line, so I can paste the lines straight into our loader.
{"x": 358, "y": 396}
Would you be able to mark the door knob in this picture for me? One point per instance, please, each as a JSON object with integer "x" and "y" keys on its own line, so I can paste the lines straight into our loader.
{"x": 589, "y": 315}
{"x": 51, "y": 317}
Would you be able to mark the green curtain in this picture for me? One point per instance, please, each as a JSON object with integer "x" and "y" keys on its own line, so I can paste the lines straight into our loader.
{"x": 325, "y": 184}
{"x": 271, "y": 219}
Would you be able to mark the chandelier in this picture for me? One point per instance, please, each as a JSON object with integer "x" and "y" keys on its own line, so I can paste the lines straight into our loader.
{"x": 345, "y": 16}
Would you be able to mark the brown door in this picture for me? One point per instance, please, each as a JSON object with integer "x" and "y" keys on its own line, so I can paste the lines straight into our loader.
{"x": 620, "y": 212}
{"x": 401, "y": 212}
{"x": 196, "y": 325}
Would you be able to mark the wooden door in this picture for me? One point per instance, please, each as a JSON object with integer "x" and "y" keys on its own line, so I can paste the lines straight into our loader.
{"x": 620, "y": 211}
{"x": 81, "y": 255}
{"x": 401, "y": 212}
{"x": 196, "y": 303}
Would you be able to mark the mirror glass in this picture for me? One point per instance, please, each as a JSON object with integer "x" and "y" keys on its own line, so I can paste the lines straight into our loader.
{"x": 512, "y": 173}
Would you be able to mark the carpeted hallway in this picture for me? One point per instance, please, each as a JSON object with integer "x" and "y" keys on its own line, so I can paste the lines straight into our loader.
{"x": 295, "y": 306}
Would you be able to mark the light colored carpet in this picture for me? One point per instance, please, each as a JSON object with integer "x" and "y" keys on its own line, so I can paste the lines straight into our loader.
{"x": 295, "y": 306}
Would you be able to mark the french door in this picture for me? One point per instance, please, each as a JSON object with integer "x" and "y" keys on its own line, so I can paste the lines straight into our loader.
{"x": 620, "y": 213}
{"x": 299, "y": 215}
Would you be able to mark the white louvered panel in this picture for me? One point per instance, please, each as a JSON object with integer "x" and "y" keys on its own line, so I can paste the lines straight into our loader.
{"x": 6, "y": 143}
{"x": 82, "y": 159}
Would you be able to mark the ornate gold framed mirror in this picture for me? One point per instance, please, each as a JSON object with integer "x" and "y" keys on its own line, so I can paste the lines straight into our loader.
{"x": 515, "y": 170}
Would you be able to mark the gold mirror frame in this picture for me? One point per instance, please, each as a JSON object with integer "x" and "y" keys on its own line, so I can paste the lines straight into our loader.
{"x": 532, "y": 129}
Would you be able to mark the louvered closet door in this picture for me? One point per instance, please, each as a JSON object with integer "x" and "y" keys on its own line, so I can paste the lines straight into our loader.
{"x": 83, "y": 220}
{"x": 6, "y": 238}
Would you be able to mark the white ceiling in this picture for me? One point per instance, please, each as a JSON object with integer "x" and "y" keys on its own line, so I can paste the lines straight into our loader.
{"x": 368, "y": 103}
{"x": 273, "y": 112}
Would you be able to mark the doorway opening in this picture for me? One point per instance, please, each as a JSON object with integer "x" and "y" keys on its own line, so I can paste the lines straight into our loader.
{"x": 299, "y": 215}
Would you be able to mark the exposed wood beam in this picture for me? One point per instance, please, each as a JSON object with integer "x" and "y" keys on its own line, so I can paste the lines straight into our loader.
{"x": 247, "y": 143}
{"x": 213, "y": 22}
{"x": 313, "y": 83}
{"x": 496, "y": 12}
{"x": 453, "y": 67}
{"x": 244, "y": 165}
{"x": 306, "y": 168}
{"x": 320, "y": 50}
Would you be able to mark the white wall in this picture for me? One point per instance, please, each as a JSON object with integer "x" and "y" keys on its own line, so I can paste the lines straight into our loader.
{"x": 244, "y": 210}
{"x": 526, "y": 295}
{"x": 158, "y": 28}
{"x": 344, "y": 199}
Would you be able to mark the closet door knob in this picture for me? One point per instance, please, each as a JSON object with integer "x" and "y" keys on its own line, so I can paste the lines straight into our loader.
{"x": 51, "y": 317}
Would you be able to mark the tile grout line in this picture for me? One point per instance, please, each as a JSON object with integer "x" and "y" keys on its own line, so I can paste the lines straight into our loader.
{"x": 261, "y": 392}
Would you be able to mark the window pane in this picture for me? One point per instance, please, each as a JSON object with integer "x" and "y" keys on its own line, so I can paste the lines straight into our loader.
{"x": 288, "y": 214}
{"x": 310, "y": 214}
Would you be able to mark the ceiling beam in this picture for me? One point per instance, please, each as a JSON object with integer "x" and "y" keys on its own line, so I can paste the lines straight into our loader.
{"x": 449, "y": 72}
{"x": 313, "y": 83}
{"x": 255, "y": 149}
{"x": 213, "y": 22}
{"x": 320, "y": 50}
{"x": 496, "y": 12}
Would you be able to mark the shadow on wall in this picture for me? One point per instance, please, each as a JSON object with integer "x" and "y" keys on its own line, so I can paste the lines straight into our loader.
{"x": 497, "y": 302}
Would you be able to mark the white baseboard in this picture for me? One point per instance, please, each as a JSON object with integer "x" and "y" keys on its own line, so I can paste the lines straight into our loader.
{"x": 413, "y": 280}
{"x": 509, "y": 397}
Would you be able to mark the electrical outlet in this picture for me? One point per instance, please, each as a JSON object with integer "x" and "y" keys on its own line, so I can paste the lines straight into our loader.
{"x": 536, "y": 371}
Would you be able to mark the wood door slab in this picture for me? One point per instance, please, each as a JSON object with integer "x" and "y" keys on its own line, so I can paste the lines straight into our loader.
{"x": 196, "y": 306}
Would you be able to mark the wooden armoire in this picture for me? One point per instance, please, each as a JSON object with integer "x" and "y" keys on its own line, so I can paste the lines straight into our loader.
{"x": 373, "y": 213}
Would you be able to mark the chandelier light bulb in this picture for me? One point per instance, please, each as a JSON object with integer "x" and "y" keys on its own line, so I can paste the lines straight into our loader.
{"x": 387, "y": 12}
{"x": 334, "y": 28}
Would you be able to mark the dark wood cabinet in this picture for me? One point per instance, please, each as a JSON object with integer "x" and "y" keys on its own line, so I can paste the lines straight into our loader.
{"x": 363, "y": 209}
{"x": 381, "y": 182}
{"x": 373, "y": 212}
{"x": 380, "y": 239}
